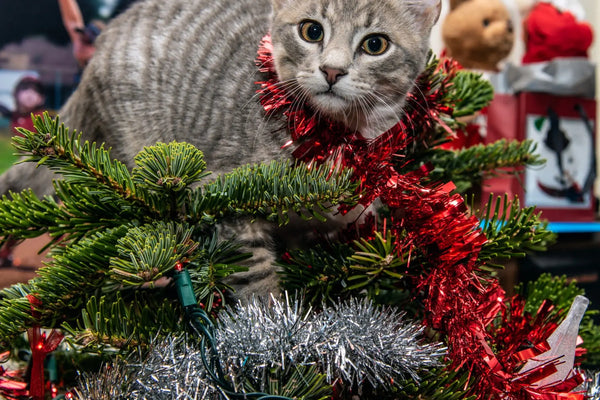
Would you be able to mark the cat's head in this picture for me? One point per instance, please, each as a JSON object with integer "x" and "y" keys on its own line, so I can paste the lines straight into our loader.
{"x": 353, "y": 61}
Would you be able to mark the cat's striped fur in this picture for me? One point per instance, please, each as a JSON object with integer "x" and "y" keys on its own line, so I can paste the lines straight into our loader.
{"x": 184, "y": 70}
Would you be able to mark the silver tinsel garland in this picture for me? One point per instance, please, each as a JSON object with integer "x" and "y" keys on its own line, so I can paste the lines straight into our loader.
{"x": 592, "y": 385}
{"x": 111, "y": 383}
{"x": 353, "y": 342}
{"x": 173, "y": 370}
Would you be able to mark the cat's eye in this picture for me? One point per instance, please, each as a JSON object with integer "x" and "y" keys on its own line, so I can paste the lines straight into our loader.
{"x": 311, "y": 31}
{"x": 375, "y": 45}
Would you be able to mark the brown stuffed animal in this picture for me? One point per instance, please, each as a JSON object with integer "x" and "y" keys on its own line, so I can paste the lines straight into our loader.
{"x": 478, "y": 33}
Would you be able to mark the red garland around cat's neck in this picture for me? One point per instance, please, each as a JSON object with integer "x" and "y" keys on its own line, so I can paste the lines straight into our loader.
{"x": 432, "y": 218}
{"x": 459, "y": 301}
{"x": 319, "y": 140}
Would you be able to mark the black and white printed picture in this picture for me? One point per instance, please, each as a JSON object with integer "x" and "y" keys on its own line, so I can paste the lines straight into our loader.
{"x": 567, "y": 145}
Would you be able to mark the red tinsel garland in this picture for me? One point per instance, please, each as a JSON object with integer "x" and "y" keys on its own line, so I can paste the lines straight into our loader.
{"x": 459, "y": 300}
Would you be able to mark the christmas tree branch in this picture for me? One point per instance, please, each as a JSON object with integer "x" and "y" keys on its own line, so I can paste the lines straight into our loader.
{"x": 469, "y": 93}
{"x": 512, "y": 231}
{"x": 273, "y": 190}
{"x": 61, "y": 150}
{"x": 319, "y": 273}
{"x": 469, "y": 166}
{"x": 24, "y": 215}
{"x": 62, "y": 285}
{"x": 373, "y": 264}
{"x": 439, "y": 384}
{"x": 112, "y": 321}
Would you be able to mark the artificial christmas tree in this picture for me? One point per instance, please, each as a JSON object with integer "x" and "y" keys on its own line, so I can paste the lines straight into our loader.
{"x": 403, "y": 304}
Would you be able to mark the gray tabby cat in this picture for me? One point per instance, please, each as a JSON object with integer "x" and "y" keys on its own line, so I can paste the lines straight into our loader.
{"x": 184, "y": 70}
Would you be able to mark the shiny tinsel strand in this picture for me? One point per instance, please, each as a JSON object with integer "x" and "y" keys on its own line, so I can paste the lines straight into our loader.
{"x": 354, "y": 341}
{"x": 261, "y": 335}
{"x": 173, "y": 370}
{"x": 592, "y": 385}
{"x": 358, "y": 341}
{"x": 111, "y": 383}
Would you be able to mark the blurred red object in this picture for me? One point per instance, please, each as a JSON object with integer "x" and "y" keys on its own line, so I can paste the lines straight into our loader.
{"x": 551, "y": 33}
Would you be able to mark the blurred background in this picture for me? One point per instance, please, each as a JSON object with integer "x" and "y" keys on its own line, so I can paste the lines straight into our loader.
{"x": 34, "y": 43}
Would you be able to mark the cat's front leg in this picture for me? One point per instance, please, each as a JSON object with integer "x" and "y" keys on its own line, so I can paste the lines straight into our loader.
{"x": 261, "y": 278}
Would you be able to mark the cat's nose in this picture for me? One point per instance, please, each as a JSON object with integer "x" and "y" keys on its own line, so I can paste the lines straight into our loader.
{"x": 332, "y": 75}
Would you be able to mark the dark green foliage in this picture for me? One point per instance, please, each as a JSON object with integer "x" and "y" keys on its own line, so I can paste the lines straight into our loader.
{"x": 218, "y": 260}
{"x": 149, "y": 252}
{"x": 273, "y": 190}
{"x": 319, "y": 273}
{"x": 296, "y": 382}
{"x": 333, "y": 271}
{"x": 436, "y": 385}
{"x": 376, "y": 259}
{"x": 115, "y": 322}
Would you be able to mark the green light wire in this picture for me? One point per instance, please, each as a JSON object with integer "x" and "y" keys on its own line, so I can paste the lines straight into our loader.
{"x": 203, "y": 326}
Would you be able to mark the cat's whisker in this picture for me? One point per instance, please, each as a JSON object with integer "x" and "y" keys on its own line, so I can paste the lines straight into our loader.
{"x": 299, "y": 103}
{"x": 260, "y": 93}
{"x": 378, "y": 115}
{"x": 292, "y": 88}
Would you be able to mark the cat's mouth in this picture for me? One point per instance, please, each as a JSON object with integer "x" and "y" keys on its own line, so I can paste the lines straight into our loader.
{"x": 330, "y": 102}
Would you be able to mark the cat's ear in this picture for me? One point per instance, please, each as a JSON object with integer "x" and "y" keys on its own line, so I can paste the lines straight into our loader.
{"x": 428, "y": 11}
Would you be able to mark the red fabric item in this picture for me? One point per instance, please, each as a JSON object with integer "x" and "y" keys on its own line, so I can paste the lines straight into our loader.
{"x": 24, "y": 121}
{"x": 465, "y": 138}
{"x": 550, "y": 33}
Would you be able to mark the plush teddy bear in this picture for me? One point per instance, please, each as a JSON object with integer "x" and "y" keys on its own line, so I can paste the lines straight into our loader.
{"x": 478, "y": 33}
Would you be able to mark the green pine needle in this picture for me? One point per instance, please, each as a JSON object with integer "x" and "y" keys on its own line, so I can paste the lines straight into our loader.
{"x": 113, "y": 322}
{"x": 273, "y": 190}
{"x": 297, "y": 382}
{"x": 469, "y": 93}
{"x": 174, "y": 166}
{"x": 149, "y": 252}
{"x": 468, "y": 167}
{"x": 512, "y": 231}
{"x": 320, "y": 272}
{"x": 376, "y": 259}
{"x": 437, "y": 385}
